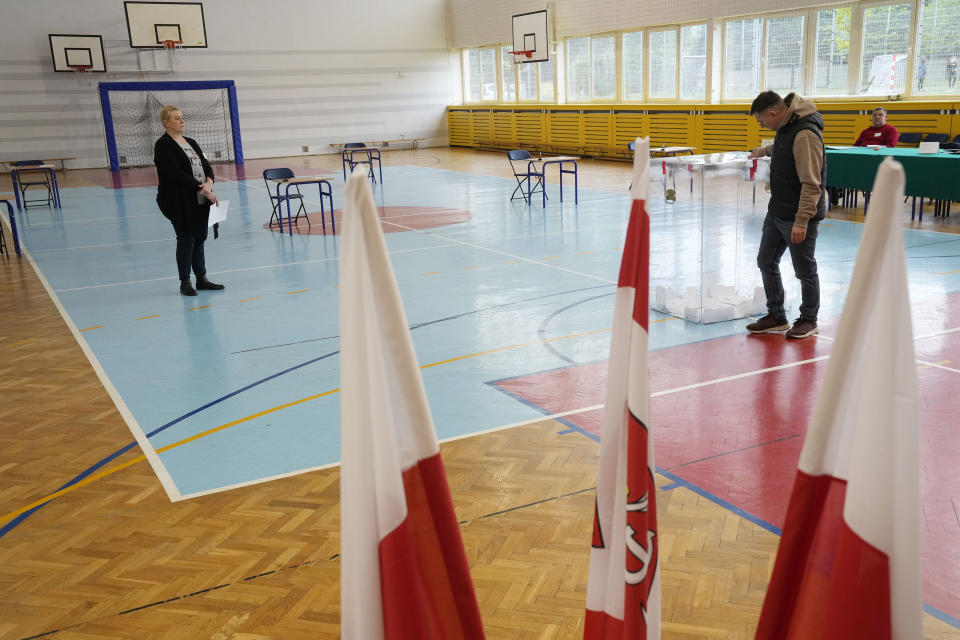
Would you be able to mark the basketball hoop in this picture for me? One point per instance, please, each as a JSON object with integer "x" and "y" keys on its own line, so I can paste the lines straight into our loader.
{"x": 529, "y": 54}
{"x": 171, "y": 44}
{"x": 81, "y": 71}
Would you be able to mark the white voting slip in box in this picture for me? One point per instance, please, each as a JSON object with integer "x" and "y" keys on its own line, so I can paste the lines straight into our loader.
{"x": 707, "y": 272}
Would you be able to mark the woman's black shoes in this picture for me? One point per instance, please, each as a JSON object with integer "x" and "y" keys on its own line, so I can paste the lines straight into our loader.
{"x": 203, "y": 283}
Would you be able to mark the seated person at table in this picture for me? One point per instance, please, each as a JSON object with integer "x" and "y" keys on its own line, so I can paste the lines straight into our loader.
{"x": 879, "y": 133}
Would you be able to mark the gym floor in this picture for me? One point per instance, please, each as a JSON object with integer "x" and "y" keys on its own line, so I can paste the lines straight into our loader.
{"x": 190, "y": 444}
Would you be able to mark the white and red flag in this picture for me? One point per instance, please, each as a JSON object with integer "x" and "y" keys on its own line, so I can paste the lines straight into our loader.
{"x": 623, "y": 592}
{"x": 404, "y": 573}
{"x": 849, "y": 561}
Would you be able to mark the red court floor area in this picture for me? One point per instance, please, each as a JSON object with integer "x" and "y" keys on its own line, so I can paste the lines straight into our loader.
{"x": 739, "y": 439}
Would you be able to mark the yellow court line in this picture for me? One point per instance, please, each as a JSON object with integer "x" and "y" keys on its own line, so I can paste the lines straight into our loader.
{"x": 549, "y": 257}
{"x": 513, "y": 262}
{"x": 17, "y": 344}
{"x": 203, "y": 434}
{"x": 663, "y": 320}
{"x": 469, "y": 268}
{"x": 430, "y": 273}
{"x": 148, "y": 317}
{"x": 583, "y": 253}
{"x": 206, "y": 306}
{"x": 99, "y": 326}
{"x": 297, "y": 291}
{"x": 946, "y": 273}
{"x": 249, "y": 299}
{"x": 513, "y": 346}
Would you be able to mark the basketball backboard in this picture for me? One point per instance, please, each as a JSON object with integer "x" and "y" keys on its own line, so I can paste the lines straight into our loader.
{"x": 530, "y": 34}
{"x": 151, "y": 23}
{"x": 72, "y": 51}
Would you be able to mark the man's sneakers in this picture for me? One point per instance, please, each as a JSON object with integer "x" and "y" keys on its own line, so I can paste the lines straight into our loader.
{"x": 768, "y": 324}
{"x": 802, "y": 329}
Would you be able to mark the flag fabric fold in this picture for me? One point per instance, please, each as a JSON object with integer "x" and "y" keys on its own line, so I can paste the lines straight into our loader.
{"x": 623, "y": 589}
{"x": 404, "y": 572}
{"x": 849, "y": 561}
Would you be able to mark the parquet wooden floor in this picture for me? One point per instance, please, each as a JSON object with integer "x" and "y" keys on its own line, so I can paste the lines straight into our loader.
{"x": 114, "y": 559}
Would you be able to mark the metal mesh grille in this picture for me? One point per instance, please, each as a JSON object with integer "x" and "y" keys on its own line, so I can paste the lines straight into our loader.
{"x": 137, "y": 125}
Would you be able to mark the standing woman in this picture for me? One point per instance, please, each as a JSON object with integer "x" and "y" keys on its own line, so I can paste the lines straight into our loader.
{"x": 184, "y": 196}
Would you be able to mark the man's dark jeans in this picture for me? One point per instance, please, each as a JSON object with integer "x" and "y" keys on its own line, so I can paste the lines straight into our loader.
{"x": 773, "y": 242}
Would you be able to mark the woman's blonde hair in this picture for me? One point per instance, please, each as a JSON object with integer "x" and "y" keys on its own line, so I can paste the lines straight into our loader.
{"x": 166, "y": 111}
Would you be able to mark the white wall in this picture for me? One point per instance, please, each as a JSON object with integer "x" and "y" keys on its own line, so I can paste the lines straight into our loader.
{"x": 308, "y": 72}
{"x": 472, "y": 23}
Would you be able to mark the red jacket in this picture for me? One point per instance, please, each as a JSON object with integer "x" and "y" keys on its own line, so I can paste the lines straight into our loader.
{"x": 885, "y": 136}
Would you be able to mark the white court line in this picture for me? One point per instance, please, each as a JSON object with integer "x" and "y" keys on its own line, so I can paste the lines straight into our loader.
{"x": 123, "y": 244}
{"x": 482, "y": 248}
{"x": 161, "y": 471}
{"x": 552, "y": 416}
{"x": 267, "y": 266}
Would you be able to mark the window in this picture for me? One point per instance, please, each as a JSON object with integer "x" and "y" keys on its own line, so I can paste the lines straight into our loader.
{"x": 545, "y": 69}
{"x": 578, "y": 69}
{"x": 527, "y": 72}
{"x": 783, "y": 71}
{"x": 508, "y": 87}
{"x": 663, "y": 64}
{"x": 741, "y": 60}
{"x": 632, "y": 56}
{"x": 693, "y": 62}
{"x": 937, "y": 47}
{"x": 883, "y": 65}
{"x": 479, "y": 74}
{"x": 833, "y": 52}
{"x": 604, "y": 65}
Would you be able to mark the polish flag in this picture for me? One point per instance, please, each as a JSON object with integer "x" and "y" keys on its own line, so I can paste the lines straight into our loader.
{"x": 404, "y": 573}
{"x": 849, "y": 561}
{"x": 623, "y": 592}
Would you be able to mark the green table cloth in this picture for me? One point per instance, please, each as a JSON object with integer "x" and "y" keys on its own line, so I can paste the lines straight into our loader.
{"x": 930, "y": 175}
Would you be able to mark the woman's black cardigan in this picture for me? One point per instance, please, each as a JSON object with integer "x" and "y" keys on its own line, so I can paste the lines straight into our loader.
{"x": 177, "y": 190}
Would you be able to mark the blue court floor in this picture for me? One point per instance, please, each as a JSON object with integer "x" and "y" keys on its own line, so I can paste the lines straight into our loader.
{"x": 235, "y": 387}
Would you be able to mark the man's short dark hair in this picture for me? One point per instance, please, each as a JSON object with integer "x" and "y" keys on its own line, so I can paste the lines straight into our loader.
{"x": 879, "y": 109}
{"x": 764, "y": 101}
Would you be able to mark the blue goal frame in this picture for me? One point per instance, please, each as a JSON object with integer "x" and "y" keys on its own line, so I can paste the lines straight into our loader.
{"x": 107, "y": 87}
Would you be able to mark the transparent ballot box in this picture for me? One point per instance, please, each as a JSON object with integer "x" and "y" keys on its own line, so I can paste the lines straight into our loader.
{"x": 706, "y": 218}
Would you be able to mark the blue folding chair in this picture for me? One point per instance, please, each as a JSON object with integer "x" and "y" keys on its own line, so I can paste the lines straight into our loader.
{"x": 939, "y": 138}
{"x": 368, "y": 156}
{"x": 39, "y": 179}
{"x": 278, "y": 199}
{"x": 952, "y": 145}
{"x": 910, "y": 138}
{"x": 524, "y": 175}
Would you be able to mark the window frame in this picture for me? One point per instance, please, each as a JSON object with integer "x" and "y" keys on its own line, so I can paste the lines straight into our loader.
{"x": 463, "y": 76}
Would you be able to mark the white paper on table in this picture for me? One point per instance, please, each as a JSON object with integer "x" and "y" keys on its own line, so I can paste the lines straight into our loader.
{"x": 929, "y": 147}
{"x": 218, "y": 212}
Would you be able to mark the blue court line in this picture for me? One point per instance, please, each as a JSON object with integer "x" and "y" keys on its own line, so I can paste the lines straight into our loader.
{"x": 678, "y": 482}
{"x": 572, "y": 427}
{"x": 941, "y": 616}
{"x": 26, "y": 514}
{"x": 542, "y": 331}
